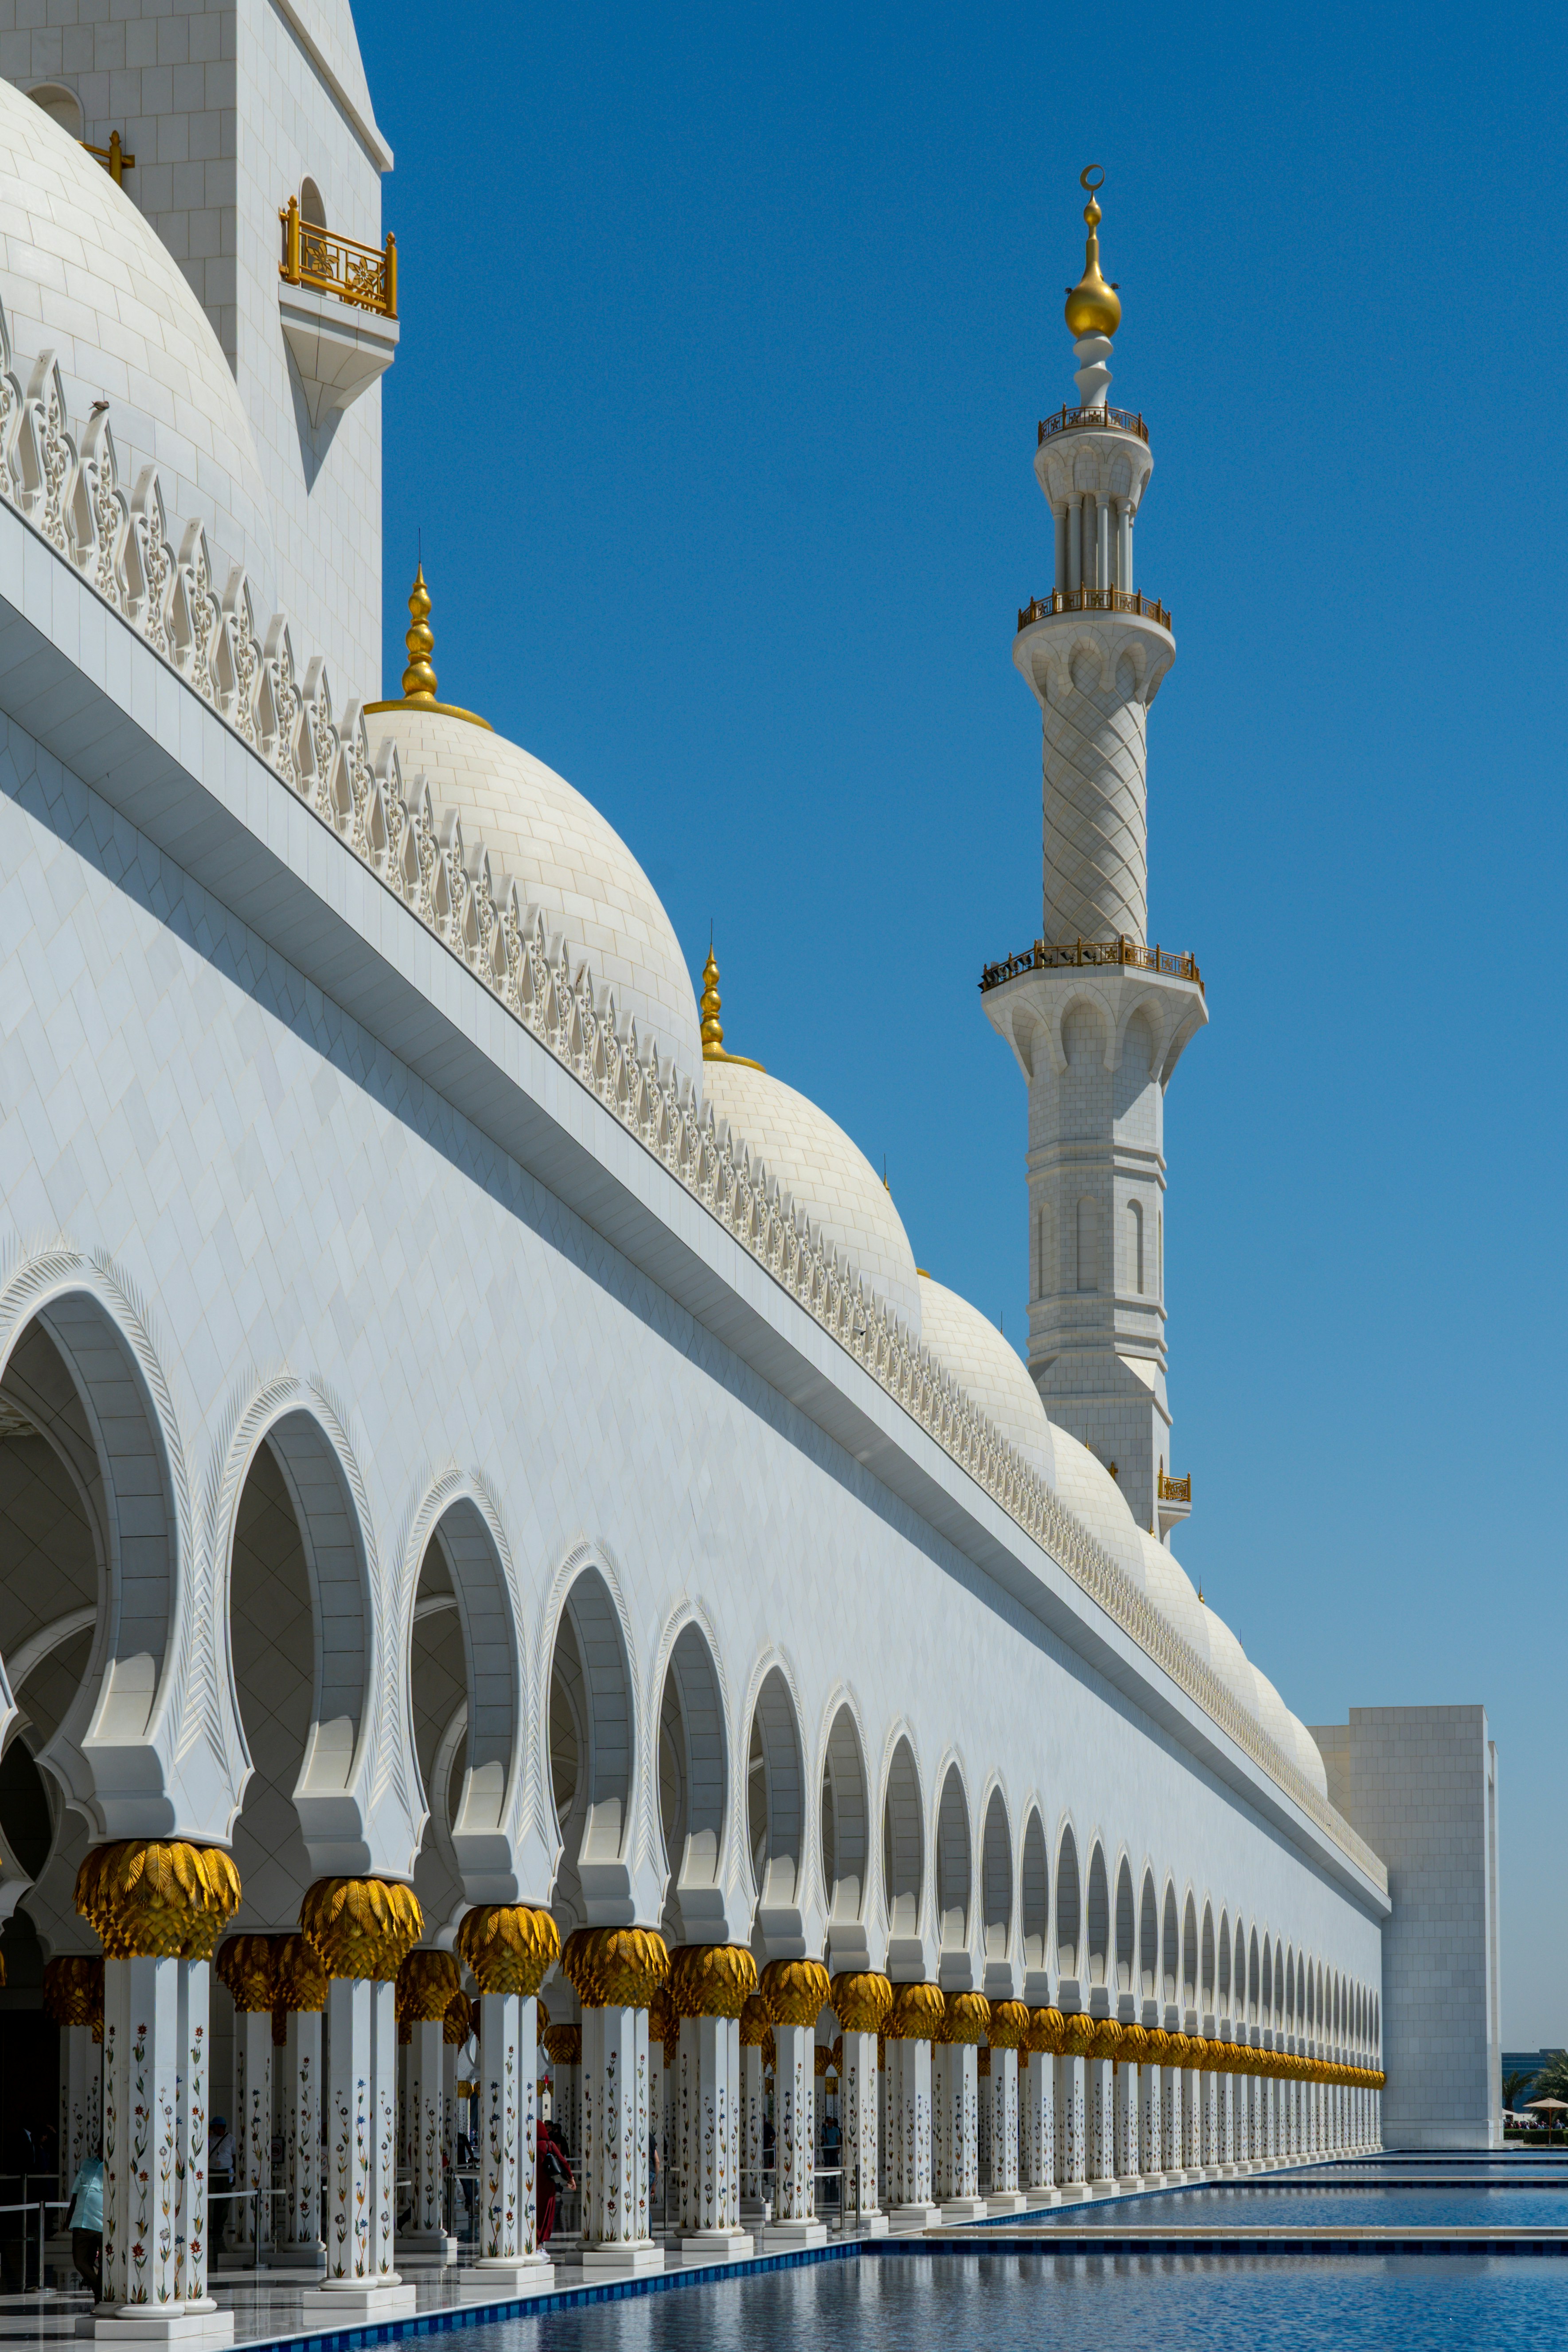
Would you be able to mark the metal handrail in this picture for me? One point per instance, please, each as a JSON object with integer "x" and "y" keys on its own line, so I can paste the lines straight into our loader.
{"x": 1074, "y": 953}
{"x": 1093, "y": 599}
{"x": 364, "y": 275}
{"x": 1175, "y": 1490}
{"x": 1118, "y": 420}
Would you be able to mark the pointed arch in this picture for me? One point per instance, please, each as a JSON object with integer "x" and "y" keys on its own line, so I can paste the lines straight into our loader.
{"x": 997, "y": 1880}
{"x": 693, "y": 1782}
{"x": 1035, "y": 1896}
{"x": 1206, "y": 1962}
{"x": 1126, "y": 1929}
{"x": 954, "y": 1865}
{"x": 1069, "y": 1916}
{"x": 904, "y": 1861}
{"x": 1149, "y": 1942}
{"x": 846, "y": 1834}
{"x": 591, "y": 1711}
{"x": 1097, "y": 1920}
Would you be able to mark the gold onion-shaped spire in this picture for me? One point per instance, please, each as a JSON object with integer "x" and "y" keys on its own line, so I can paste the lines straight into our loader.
{"x": 713, "y": 1027}
{"x": 419, "y": 688}
{"x": 1092, "y": 306}
{"x": 419, "y": 677}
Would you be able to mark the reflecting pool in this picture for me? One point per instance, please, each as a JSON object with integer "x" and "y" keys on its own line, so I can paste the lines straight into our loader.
{"x": 926, "y": 2301}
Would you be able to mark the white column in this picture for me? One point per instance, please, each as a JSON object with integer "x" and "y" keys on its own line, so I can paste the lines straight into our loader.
{"x": 1128, "y": 2120}
{"x": 251, "y": 2232}
{"x": 156, "y": 2107}
{"x": 909, "y": 2116}
{"x": 1038, "y": 2094}
{"x": 1071, "y": 2151}
{"x": 1192, "y": 2120}
{"x": 1007, "y": 2191}
{"x": 794, "y": 2221}
{"x": 1101, "y": 2097}
{"x": 427, "y": 2235}
{"x": 509, "y": 2257}
{"x": 1209, "y": 2145}
{"x": 1154, "y": 2131}
{"x": 962, "y": 2200}
{"x": 1061, "y": 549}
{"x": 1225, "y": 2083}
{"x": 859, "y": 2088}
{"x": 1074, "y": 542}
{"x": 1171, "y": 2119}
{"x": 617, "y": 2222}
{"x": 753, "y": 2106}
{"x": 301, "y": 2233}
{"x": 710, "y": 2098}
{"x": 81, "y": 2102}
{"x": 1102, "y": 544}
{"x": 362, "y": 2142}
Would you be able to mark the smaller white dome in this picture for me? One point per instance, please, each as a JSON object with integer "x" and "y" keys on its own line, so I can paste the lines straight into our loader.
{"x": 828, "y": 1177}
{"x": 1092, "y": 1495}
{"x": 1228, "y": 1659}
{"x": 1304, "y": 1749}
{"x": 969, "y": 1346}
{"x": 1273, "y": 1714}
{"x": 1170, "y": 1587}
{"x": 565, "y": 860}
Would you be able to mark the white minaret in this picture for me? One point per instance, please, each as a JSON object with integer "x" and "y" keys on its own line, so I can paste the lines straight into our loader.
{"x": 1097, "y": 1017}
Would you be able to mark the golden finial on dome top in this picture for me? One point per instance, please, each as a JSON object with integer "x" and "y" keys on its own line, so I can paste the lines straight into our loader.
{"x": 713, "y": 1027}
{"x": 1093, "y": 307}
{"x": 419, "y": 677}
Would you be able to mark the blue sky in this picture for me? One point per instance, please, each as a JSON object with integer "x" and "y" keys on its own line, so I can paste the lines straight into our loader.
{"x": 724, "y": 339}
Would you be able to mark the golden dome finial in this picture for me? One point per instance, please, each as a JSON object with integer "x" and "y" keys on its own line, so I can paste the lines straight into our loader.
{"x": 1093, "y": 307}
{"x": 713, "y": 1027}
{"x": 419, "y": 677}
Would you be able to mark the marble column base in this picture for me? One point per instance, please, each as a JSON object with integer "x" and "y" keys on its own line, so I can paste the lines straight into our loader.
{"x": 635, "y": 2260}
{"x": 1130, "y": 2183}
{"x": 784, "y": 2237}
{"x": 963, "y": 2209}
{"x": 1038, "y": 2200}
{"x": 337, "y": 2301}
{"x": 194, "y": 2324}
{"x": 495, "y": 2280}
{"x": 912, "y": 2217}
{"x": 297, "y": 2258}
{"x": 718, "y": 2246}
{"x": 1007, "y": 2201}
{"x": 420, "y": 2246}
{"x": 872, "y": 2225}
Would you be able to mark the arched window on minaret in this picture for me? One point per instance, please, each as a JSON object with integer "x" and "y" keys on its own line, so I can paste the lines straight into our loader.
{"x": 1045, "y": 1249}
{"x": 1135, "y": 1244}
{"x": 312, "y": 210}
{"x": 1087, "y": 1244}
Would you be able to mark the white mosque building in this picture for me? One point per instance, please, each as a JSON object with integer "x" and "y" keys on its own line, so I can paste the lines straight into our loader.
{"x": 493, "y": 1520}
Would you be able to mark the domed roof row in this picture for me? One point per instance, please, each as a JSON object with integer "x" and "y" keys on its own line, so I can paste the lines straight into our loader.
{"x": 84, "y": 275}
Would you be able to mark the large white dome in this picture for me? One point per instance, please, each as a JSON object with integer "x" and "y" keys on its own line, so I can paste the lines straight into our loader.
{"x": 827, "y": 1177}
{"x": 565, "y": 860}
{"x": 1170, "y": 1587}
{"x": 969, "y": 1346}
{"x": 83, "y": 275}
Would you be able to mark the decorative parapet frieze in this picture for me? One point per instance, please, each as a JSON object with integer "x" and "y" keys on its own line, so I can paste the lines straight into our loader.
{"x": 124, "y": 552}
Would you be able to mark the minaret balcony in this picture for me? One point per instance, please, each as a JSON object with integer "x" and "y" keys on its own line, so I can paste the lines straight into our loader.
{"x": 1074, "y": 955}
{"x": 1173, "y": 1501}
{"x": 1093, "y": 599}
{"x": 1103, "y": 419}
{"x": 338, "y": 305}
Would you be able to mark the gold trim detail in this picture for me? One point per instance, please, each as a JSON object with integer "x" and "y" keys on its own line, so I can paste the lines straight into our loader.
{"x": 153, "y": 1901}
{"x": 917, "y": 2013}
{"x": 361, "y": 1926}
{"x": 426, "y": 1987}
{"x": 73, "y": 1989}
{"x": 713, "y": 1027}
{"x": 510, "y": 1946}
{"x": 248, "y": 1965}
{"x": 1093, "y": 308}
{"x": 615, "y": 1967}
{"x": 796, "y": 1991}
{"x": 862, "y": 2002}
{"x": 300, "y": 1981}
{"x": 711, "y": 1980}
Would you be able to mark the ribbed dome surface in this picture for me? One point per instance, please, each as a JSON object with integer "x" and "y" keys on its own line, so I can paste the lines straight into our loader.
{"x": 1092, "y": 1495}
{"x": 969, "y": 1347}
{"x": 565, "y": 860}
{"x": 1170, "y": 1587}
{"x": 827, "y": 1177}
{"x": 82, "y": 274}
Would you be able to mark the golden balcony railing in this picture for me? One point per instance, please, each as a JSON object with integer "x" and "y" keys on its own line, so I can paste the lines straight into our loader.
{"x": 1093, "y": 599}
{"x": 1175, "y": 1490}
{"x": 113, "y": 158}
{"x": 1076, "y": 953}
{"x": 364, "y": 275}
{"x": 1066, "y": 420}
